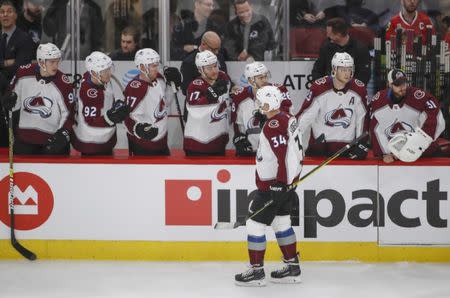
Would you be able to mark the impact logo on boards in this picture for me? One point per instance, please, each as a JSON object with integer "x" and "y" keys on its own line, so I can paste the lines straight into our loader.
{"x": 189, "y": 202}
{"x": 33, "y": 201}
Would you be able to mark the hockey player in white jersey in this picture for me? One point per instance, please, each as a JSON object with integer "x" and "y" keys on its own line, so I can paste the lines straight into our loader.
{"x": 245, "y": 116}
{"x": 146, "y": 96}
{"x": 208, "y": 106}
{"x": 41, "y": 99}
{"x": 335, "y": 111}
{"x": 98, "y": 112}
{"x": 278, "y": 164}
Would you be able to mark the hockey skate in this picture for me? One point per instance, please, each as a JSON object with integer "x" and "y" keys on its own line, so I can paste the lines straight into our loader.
{"x": 253, "y": 277}
{"x": 289, "y": 274}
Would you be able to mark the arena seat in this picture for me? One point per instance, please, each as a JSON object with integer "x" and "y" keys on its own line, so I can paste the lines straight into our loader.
{"x": 306, "y": 42}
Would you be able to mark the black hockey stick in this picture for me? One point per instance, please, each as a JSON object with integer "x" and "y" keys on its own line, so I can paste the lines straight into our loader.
{"x": 22, "y": 250}
{"x": 233, "y": 225}
{"x": 177, "y": 103}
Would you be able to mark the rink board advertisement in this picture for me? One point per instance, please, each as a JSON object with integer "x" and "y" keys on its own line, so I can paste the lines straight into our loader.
{"x": 183, "y": 202}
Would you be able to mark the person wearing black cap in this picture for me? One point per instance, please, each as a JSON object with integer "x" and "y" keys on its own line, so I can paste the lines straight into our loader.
{"x": 404, "y": 109}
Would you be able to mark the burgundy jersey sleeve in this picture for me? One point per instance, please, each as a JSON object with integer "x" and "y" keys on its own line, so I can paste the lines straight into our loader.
{"x": 196, "y": 92}
{"x": 276, "y": 133}
{"x": 237, "y": 97}
{"x": 286, "y": 103}
{"x": 22, "y": 71}
{"x": 134, "y": 93}
{"x": 426, "y": 103}
{"x": 92, "y": 100}
{"x": 65, "y": 86}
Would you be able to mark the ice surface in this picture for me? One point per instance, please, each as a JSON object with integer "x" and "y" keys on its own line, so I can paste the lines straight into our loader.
{"x": 67, "y": 279}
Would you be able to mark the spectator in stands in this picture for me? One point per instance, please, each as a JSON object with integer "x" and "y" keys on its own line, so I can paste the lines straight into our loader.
{"x": 354, "y": 14}
{"x": 404, "y": 109}
{"x": 129, "y": 45}
{"x": 410, "y": 19}
{"x": 186, "y": 35}
{"x": 248, "y": 35}
{"x": 145, "y": 95}
{"x": 339, "y": 40}
{"x": 210, "y": 41}
{"x": 30, "y": 20}
{"x": 303, "y": 13}
{"x": 98, "y": 112}
{"x": 16, "y": 48}
{"x": 118, "y": 15}
{"x": 42, "y": 100}
{"x": 208, "y": 105}
{"x": 446, "y": 30}
{"x": 91, "y": 25}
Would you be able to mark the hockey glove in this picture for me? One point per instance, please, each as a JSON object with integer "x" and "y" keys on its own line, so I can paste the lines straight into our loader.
{"x": 278, "y": 191}
{"x": 145, "y": 131}
{"x": 243, "y": 146}
{"x": 9, "y": 100}
{"x": 358, "y": 152}
{"x": 117, "y": 113}
{"x": 261, "y": 118}
{"x": 57, "y": 142}
{"x": 217, "y": 89}
{"x": 172, "y": 74}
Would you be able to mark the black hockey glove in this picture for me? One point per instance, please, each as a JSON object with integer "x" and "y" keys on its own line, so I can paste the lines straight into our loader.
{"x": 278, "y": 190}
{"x": 358, "y": 152}
{"x": 117, "y": 113}
{"x": 57, "y": 142}
{"x": 217, "y": 89}
{"x": 261, "y": 118}
{"x": 146, "y": 131}
{"x": 243, "y": 146}
{"x": 172, "y": 74}
{"x": 9, "y": 100}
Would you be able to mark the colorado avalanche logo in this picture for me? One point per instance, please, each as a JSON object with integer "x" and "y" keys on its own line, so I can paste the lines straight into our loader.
{"x": 219, "y": 113}
{"x": 396, "y": 127}
{"x": 339, "y": 117}
{"x": 38, "y": 105}
{"x": 160, "y": 112}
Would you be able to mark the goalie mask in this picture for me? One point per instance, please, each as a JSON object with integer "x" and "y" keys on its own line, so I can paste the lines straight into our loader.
{"x": 409, "y": 146}
{"x": 100, "y": 66}
{"x": 270, "y": 96}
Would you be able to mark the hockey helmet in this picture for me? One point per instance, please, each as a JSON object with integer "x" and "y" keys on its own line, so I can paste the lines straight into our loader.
{"x": 47, "y": 51}
{"x": 146, "y": 56}
{"x": 97, "y": 62}
{"x": 270, "y": 95}
{"x": 342, "y": 60}
{"x": 205, "y": 58}
{"x": 255, "y": 69}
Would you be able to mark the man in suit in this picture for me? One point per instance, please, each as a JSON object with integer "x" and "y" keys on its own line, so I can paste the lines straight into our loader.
{"x": 16, "y": 48}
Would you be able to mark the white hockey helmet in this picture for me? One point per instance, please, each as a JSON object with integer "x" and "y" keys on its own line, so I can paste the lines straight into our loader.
{"x": 270, "y": 95}
{"x": 146, "y": 56}
{"x": 205, "y": 58}
{"x": 47, "y": 51}
{"x": 409, "y": 146}
{"x": 97, "y": 62}
{"x": 342, "y": 60}
{"x": 255, "y": 69}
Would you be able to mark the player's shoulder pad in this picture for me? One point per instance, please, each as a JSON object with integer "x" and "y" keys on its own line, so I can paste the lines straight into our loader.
{"x": 26, "y": 70}
{"x": 419, "y": 94}
{"x": 358, "y": 86}
{"x": 277, "y": 124}
{"x": 241, "y": 94}
{"x": 321, "y": 85}
{"x": 224, "y": 76}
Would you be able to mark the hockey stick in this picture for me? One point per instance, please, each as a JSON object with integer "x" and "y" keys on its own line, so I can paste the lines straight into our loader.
{"x": 22, "y": 250}
{"x": 233, "y": 225}
{"x": 177, "y": 103}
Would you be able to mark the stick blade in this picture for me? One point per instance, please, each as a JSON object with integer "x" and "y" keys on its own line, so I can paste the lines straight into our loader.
{"x": 23, "y": 251}
{"x": 227, "y": 225}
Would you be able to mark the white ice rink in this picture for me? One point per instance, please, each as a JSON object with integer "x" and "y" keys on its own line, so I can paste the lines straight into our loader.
{"x": 80, "y": 279}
